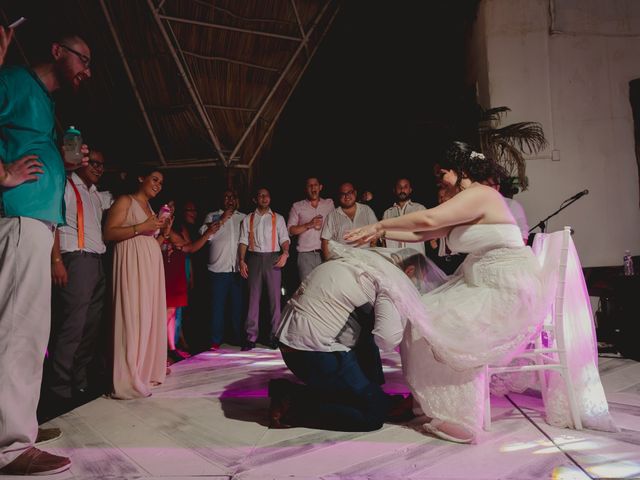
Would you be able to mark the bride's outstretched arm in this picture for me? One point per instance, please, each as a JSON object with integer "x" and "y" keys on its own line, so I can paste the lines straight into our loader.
{"x": 465, "y": 207}
{"x": 401, "y": 236}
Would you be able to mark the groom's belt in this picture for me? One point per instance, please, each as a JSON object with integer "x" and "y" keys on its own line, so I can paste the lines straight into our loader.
{"x": 287, "y": 348}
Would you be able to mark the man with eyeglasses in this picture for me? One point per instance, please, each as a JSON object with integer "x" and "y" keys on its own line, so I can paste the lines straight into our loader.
{"x": 349, "y": 215}
{"x": 78, "y": 290}
{"x": 32, "y": 211}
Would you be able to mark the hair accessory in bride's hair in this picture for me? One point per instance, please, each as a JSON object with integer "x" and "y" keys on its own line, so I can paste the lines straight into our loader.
{"x": 478, "y": 155}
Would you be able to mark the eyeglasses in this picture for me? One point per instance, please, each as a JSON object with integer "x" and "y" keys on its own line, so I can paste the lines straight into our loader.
{"x": 86, "y": 61}
{"x": 347, "y": 194}
{"x": 97, "y": 165}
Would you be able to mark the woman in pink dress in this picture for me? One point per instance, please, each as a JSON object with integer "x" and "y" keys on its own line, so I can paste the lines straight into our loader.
{"x": 139, "y": 302}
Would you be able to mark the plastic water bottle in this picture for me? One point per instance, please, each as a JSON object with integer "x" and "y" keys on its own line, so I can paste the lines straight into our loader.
{"x": 628, "y": 264}
{"x": 71, "y": 145}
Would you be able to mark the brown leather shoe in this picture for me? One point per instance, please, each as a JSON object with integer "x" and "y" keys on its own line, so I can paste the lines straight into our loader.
{"x": 277, "y": 411}
{"x": 36, "y": 462}
{"x": 280, "y": 403}
{"x": 401, "y": 409}
{"x": 46, "y": 435}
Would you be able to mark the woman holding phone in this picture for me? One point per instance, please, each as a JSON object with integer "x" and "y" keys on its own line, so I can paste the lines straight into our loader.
{"x": 139, "y": 301}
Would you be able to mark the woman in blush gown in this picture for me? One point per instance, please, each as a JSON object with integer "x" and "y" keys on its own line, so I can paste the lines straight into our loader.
{"x": 139, "y": 302}
{"x": 484, "y": 314}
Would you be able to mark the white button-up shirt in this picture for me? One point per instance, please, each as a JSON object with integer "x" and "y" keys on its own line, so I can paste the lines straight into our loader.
{"x": 397, "y": 211}
{"x": 319, "y": 316}
{"x": 94, "y": 203}
{"x": 303, "y": 212}
{"x": 262, "y": 227}
{"x": 223, "y": 245}
{"x": 338, "y": 223}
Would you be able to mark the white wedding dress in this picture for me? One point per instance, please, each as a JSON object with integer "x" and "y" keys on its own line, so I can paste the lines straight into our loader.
{"x": 484, "y": 314}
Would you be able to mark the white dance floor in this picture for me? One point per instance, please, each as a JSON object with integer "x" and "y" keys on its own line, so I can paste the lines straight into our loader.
{"x": 209, "y": 421}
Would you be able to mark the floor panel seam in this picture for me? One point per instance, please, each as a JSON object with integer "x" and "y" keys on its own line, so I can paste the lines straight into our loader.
{"x": 566, "y": 454}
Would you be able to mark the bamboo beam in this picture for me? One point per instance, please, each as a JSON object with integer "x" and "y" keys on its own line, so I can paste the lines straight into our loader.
{"x": 279, "y": 81}
{"x": 228, "y": 107}
{"x": 293, "y": 87}
{"x": 194, "y": 94}
{"x": 208, "y": 163}
{"x": 228, "y": 60}
{"x": 226, "y": 27}
{"x": 227, "y": 11}
{"x": 132, "y": 80}
{"x": 300, "y": 27}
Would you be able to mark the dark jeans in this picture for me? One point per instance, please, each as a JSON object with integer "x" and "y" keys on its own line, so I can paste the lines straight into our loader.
{"x": 337, "y": 394}
{"x": 227, "y": 285}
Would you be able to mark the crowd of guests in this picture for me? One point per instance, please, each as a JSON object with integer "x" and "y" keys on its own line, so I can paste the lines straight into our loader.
{"x": 123, "y": 278}
{"x": 38, "y": 196}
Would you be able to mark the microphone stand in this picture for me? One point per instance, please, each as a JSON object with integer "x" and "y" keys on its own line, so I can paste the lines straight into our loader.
{"x": 542, "y": 224}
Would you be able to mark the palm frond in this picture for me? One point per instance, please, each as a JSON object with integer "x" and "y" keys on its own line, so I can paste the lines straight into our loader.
{"x": 494, "y": 114}
{"x": 512, "y": 159}
{"x": 527, "y": 136}
{"x": 508, "y": 144}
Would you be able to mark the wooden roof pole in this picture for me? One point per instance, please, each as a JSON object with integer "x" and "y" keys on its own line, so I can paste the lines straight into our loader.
{"x": 231, "y": 29}
{"x": 136, "y": 92}
{"x": 192, "y": 91}
{"x": 300, "y": 26}
{"x": 293, "y": 87}
{"x": 258, "y": 114}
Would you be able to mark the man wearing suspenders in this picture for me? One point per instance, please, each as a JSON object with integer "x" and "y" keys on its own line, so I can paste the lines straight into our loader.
{"x": 79, "y": 287}
{"x": 262, "y": 253}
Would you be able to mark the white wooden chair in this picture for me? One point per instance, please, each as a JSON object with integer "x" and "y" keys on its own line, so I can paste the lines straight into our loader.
{"x": 549, "y": 351}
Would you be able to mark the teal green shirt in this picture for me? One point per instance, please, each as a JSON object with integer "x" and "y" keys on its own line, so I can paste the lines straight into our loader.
{"x": 27, "y": 128}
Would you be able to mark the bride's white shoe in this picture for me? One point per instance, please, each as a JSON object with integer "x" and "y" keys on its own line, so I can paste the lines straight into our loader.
{"x": 453, "y": 432}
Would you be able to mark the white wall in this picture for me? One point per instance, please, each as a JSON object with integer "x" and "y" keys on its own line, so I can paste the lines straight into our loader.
{"x": 574, "y": 81}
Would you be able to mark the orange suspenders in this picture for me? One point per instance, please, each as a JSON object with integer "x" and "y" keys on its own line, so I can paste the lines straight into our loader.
{"x": 252, "y": 240}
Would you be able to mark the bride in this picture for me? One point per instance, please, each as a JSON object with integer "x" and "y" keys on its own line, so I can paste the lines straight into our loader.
{"x": 487, "y": 310}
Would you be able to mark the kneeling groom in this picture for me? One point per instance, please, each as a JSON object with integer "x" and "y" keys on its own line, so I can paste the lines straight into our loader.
{"x": 327, "y": 340}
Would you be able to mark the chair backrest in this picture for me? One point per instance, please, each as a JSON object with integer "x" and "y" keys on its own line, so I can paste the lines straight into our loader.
{"x": 555, "y": 250}
{"x": 558, "y": 304}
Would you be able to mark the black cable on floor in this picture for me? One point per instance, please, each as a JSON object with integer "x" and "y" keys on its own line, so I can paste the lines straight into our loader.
{"x": 567, "y": 454}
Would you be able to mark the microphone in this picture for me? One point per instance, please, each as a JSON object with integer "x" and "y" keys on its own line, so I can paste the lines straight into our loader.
{"x": 578, "y": 195}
